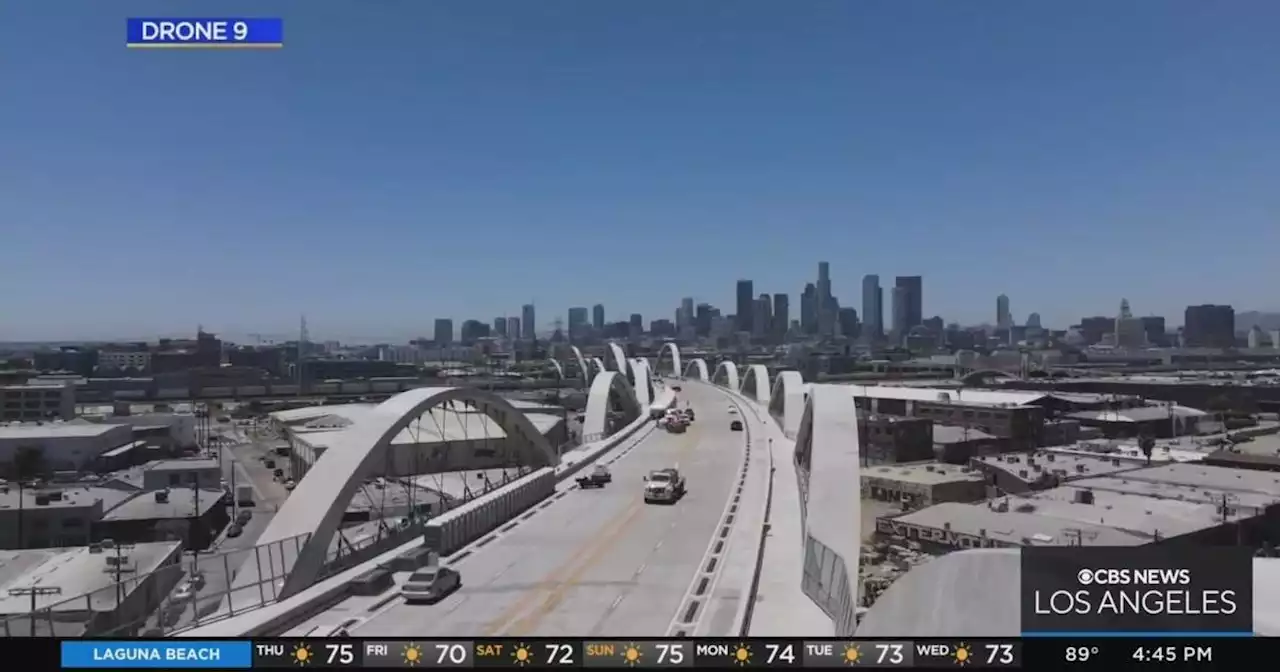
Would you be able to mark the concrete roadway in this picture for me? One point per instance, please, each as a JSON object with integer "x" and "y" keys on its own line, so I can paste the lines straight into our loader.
{"x": 597, "y": 563}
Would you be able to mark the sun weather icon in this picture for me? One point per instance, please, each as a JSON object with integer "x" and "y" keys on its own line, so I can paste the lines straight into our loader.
{"x": 631, "y": 655}
{"x": 962, "y": 654}
{"x": 852, "y": 654}
{"x": 412, "y": 654}
{"x": 302, "y": 654}
{"x": 522, "y": 656}
{"x": 742, "y": 655}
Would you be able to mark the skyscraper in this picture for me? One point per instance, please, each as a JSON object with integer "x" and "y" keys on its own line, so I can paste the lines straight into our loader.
{"x": 443, "y": 332}
{"x": 1004, "y": 319}
{"x": 499, "y": 326}
{"x": 597, "y": 317}
{"x": 762, "y": 316}
{"x": 1209, "y": 326}
{"x": 746, "y": 304}
{"x": 809, "y": 309}
{"x": 513, "y": 327}
{"x": 527, "y": 322}
{"x": 901, "y": 305}
{"x": 702, "y": 319}
{"x": 872, "y": 308}
{"x": 826, "y": 316}
{"x": 577, "y": 323}
{"x": 684, "y": 317}
{"x": 913, "y": 286}
{"x": 781, "y": 316}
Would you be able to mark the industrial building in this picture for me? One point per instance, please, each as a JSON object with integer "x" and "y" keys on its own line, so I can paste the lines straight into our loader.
{"x": 1174, "y": 503}
{"x": 919, "y": 485}
{"x": 37, "y": 401}
{"x": 61, "y": 446}
{"x": 99, "y": 585}
{"x": 441, "y": 440}
{"x": 193, "y": 516}
{"x": 156, "y": 501}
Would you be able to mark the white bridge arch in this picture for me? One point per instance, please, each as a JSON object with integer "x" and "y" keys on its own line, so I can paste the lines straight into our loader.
{"x": 827, "y": 460}
{"x": 617, "y": 357}
{"x": 595, "y": 422}
{"x": 787, "y": 400}
{"x": 730, "y": 371}
{"x": 599, "y": 366}
{"x": 675, "y": 359}
{"x": 582, "y": 364}
{"x": 698, "y": 366}
{"x": 642, "y": 383}
{"x": 555, "y": 364}
{"x": 755, "y": 383}
{"x": 317, "y": 505}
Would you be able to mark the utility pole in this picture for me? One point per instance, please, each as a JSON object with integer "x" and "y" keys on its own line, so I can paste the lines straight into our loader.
{"x": 118, "y": 568}
{"x": 34, "y": 592}
{"x": 194, "y": 529}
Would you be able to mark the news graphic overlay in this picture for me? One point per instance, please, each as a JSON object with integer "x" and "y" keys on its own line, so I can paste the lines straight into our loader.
{"x": 169, "y": 655}
{"x": 1144, "y": 591}
{"x": 204, "y": 33}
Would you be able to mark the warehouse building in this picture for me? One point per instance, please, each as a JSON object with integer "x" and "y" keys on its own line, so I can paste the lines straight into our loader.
{"x": 92, "y": 588}
{"x": 918, "y": 485}
{"x": 61, "y": 446}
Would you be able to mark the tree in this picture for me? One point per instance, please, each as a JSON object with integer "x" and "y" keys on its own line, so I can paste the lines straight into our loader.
{"x": 1147, "y": 444}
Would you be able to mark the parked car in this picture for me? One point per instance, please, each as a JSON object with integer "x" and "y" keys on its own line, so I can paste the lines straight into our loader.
{"x": 735, "y": 426}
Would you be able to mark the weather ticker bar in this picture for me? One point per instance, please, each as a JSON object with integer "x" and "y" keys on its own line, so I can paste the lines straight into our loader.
{"x": 627, "y": 653}
{"x": 1036, "y": 653}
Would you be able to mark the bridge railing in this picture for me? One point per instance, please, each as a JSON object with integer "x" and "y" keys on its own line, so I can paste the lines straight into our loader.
{"x": 147, "y": 605}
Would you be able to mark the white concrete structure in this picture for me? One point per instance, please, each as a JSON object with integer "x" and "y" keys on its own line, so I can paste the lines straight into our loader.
{"x": 671, "y": 348}
{"x": 40, "y": 400}
{"x": 583, "y": 370}
{"x": 617, "y": 357}
{"x": 787, "y": 401}
{"x": 317, "y": 505}
{"x": 595, "y": 424}
{"x": 755, "y": 383}
{"x": 698, "y": 368}
{"x": 727, "y": 374}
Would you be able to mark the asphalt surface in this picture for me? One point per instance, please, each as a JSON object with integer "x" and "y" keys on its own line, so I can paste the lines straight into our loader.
{"x": 600, "y": 562}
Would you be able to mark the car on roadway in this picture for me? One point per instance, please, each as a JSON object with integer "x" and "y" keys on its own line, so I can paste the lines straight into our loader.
{"x": 188, "y": 589}
{"x": 430, "y": 584}
{"x": 735, "y": 426}
{"x": 733, "y": 411}
{"x": 663, "y": 485}
{"x": 234, "y": 531}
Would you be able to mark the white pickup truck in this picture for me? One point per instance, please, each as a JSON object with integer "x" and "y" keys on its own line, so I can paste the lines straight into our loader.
{"x": 663, "y": 485}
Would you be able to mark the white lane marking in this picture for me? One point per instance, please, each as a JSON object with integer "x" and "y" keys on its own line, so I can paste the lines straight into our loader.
{"x": 658, "y": 545}
{"x": 616, "y": 601}
{"x": 639, "y": 570}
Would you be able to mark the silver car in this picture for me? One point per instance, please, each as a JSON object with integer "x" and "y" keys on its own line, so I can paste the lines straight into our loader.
{"x": 430, "y": 584}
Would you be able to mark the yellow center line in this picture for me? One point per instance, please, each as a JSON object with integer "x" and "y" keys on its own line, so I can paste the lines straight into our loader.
{"x": 558, "y": 590}
{"x": 608, "y": 531}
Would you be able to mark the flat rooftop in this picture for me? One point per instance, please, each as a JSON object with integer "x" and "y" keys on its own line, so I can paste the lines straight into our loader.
{"x": 962, "y": 395}
{"x": 438, "y": 426}
{"x": 77, "y": 572}
{"x": 1196, "y": 482}
{"x": 72, "y": 496}
{"x": 189, "y": 464}
{"x": 923, "y": 474}
{"x": 34, "y": 431}
{"x": 1018, "y": 528}
{"x": 181, "y": 503}
{"x": 354, "y": 412}
{"x": 1067, "y": 465}
{"x": 1139, "y": 514}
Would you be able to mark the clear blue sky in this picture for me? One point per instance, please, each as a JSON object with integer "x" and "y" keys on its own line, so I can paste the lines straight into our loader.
{"x": 401, "y": 161}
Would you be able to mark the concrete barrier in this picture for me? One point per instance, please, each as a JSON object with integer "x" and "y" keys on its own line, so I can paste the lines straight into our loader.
{"x": 449, "y": 533}
{"x": 534, "y": 488}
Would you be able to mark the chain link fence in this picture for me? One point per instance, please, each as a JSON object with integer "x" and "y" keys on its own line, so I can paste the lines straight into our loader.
{"x": 176, "y": 596}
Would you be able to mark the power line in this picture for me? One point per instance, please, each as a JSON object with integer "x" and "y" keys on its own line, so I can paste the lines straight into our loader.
{"x": 35, "y": 592}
